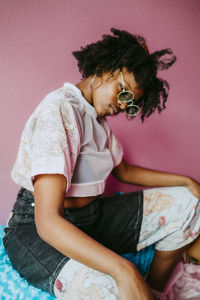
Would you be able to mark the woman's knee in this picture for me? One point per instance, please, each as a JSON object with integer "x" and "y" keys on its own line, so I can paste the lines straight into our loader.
{"x": 77, "y": 281}
{"x": 177, "y": 200}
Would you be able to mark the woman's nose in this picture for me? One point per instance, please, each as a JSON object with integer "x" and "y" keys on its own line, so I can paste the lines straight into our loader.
{"x": 122, "y": 105}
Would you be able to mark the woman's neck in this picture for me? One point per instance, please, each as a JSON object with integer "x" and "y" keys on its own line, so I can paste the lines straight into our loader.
{"x": 85, "y": 88}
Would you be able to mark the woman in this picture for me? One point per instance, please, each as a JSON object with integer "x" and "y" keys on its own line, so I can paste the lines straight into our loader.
{"x": 68, "y": 238}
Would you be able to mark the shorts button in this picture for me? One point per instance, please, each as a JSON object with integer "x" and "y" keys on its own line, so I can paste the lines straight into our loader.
{"x": 33, "y": 204}
{"x": 26, "y": 216}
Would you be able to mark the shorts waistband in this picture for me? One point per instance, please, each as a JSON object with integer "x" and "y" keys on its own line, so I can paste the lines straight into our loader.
{"x": 79, "y": 216}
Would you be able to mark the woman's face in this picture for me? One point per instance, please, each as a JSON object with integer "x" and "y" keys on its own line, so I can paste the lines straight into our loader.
{"x": 106, "y": 88}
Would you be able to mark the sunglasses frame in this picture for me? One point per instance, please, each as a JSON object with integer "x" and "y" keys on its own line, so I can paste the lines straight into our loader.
{"x": 129, "y": 102}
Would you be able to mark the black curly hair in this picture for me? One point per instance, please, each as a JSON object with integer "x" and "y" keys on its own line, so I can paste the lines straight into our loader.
{"x": 123, "y": 49}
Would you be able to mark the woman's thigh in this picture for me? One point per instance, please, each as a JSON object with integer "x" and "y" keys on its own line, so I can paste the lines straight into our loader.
{"x": 171, "y": 218}
{"x": 119, "y": 222}
{"x": 117, "y": 227}
{"x": 114, "y": 221}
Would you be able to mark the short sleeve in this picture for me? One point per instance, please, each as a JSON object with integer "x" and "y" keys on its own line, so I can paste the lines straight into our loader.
{"x": 50, "y": 144}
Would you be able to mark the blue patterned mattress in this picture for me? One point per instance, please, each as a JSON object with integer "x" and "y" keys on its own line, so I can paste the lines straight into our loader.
{"x": 15, "y": 287}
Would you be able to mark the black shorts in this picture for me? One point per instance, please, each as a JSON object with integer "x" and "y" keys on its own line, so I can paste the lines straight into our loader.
{"x": 113, "y": 221}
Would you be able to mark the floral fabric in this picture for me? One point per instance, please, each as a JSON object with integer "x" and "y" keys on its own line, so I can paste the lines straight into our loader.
{"x": 170, "y": 221}
{"x": 170, "y": 218}
{"x": 79, "y": 282}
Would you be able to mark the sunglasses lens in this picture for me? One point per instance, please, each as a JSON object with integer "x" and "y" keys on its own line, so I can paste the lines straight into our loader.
{"x": 125, "y": 96}
{"x": 132, "y": 110}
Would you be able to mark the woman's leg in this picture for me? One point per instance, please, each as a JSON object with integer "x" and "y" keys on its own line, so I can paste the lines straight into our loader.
{"x": 171, "y": 220}
{"x": 117, "y": 227}
{"x": 113, "y": 221}
{"x": 193, "y": 251}
{"x": 162, "y": 266}
{"x": 77, "y": 281}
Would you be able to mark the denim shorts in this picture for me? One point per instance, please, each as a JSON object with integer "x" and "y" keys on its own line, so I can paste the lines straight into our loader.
{"x": 113, "y": 221}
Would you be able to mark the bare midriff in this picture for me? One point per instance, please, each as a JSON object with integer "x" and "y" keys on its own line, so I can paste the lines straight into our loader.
{"x": 77, "y": 202}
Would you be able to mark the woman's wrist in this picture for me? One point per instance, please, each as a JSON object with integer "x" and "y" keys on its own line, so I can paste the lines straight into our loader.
{"x": 122, "y": 267}
{"x": 187, "y": 181}
{"x": 130, "y": 282}
{"x": 193, "y": 186}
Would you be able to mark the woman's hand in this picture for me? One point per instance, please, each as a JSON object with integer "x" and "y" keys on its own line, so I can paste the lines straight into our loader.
{"x": 131, "y": 284}
{"x": 194, "y": 187}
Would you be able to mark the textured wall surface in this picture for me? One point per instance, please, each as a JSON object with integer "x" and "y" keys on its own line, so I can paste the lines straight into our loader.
{"x": 36, "y": 41}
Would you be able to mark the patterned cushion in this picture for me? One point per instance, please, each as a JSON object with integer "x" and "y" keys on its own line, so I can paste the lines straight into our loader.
{"x": 12, "y": 285}
{"x": 15, "y": 287}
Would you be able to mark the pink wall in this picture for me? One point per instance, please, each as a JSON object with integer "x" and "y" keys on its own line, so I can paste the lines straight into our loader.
{"x": 37, "y": 38}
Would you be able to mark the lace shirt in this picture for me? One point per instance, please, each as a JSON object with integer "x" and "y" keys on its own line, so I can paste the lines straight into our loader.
{"x": 65, "y": 136}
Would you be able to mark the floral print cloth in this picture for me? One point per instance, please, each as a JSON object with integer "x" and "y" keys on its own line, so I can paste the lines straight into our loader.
{"x": 170, "y": 221}
{"x": 170, "y": 218}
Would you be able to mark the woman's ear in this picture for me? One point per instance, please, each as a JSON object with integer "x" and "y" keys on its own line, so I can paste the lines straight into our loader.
{"x": 96, "y": 82}
{"x": 110, "y": 75}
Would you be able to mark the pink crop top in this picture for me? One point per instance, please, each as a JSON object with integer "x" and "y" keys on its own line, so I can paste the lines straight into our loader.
{"x": 65, "y": 136}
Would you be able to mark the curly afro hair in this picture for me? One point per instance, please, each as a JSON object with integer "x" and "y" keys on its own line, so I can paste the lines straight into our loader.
{"x": 123, "y": 49}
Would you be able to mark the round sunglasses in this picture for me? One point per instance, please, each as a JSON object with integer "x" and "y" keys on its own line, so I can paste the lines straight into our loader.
{"x": 127, "y": 96}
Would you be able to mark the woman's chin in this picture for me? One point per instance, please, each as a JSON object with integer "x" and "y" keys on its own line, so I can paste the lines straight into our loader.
{"x": 103, "y": 114}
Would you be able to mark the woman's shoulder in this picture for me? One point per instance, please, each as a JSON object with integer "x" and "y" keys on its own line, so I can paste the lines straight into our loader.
{"x": 65, "y": 96}
{"x": 62, "y": 101}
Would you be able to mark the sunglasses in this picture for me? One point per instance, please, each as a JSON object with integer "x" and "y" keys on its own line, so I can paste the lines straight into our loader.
{"x": 127, "y": 96}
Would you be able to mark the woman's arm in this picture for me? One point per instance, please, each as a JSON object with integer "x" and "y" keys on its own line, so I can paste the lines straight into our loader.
{"x": 49, "y": 196}
{"x": 146, "y": 177}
